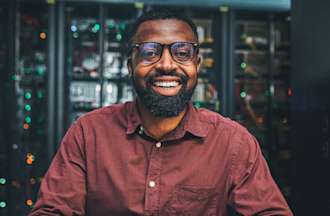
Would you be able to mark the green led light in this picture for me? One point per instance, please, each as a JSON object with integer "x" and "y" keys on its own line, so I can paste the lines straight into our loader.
{"x": 40, "y": 94}
{"x": 118, "y": 37}
{"x": 243, "y": 94}
{"x": 3, "y": 204}
{"x": 243, "y": 65}
{"x": 3, "y": 181}
{"x": 75, "y": 35}
{"x": 14, "y": 77}
{"x": 40, "y": 71}
{"x": 27, "y": 107}
{"x": 28, "y": 119}
{"x": 122, "y": 26}
{"x": 111, "y": 25}
{"x": 96, "y": 27}
{"x": 28, "y": 95}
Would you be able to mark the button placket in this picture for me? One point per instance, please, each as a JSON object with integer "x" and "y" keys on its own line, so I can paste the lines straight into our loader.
{"x": 153, "y": 180}
{"x": 141, "y": 130}
{"x": 158, "y": 144}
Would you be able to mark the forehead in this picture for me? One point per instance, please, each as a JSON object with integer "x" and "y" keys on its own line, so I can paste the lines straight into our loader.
{"x": 164, "y": 31}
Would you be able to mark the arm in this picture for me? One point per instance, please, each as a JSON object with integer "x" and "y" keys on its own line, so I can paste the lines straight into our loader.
{"x": 254, "y": 191}
{"x": 63, "y": 189}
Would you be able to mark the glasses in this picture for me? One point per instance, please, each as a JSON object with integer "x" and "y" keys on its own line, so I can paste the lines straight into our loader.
{"x": 181, "y": 52}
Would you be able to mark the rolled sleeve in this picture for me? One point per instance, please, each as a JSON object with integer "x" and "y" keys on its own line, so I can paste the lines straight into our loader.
{"x": 254, "y": 191}
{"x": 63, "y": 189}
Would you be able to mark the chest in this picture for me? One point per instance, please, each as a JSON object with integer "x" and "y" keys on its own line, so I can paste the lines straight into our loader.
{"x": 145, "y": 177}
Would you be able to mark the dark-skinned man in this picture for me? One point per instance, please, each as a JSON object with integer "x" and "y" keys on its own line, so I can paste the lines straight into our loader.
{"x": 158, "y": 155}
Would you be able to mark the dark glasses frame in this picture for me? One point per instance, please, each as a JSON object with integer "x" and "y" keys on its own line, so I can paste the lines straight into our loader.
{"x": 169, "y": 46}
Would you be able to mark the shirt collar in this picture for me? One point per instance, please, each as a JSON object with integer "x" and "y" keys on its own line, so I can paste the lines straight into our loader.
{"x": 133, "y": 117}
{"x": 190, "y": 123}
{"x": 193, "y": 123}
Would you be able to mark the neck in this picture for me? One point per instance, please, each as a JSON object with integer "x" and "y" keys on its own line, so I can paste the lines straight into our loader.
{"x": 158, "y": 127}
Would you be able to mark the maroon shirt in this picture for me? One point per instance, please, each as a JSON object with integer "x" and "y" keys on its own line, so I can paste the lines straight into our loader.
{"x": 107, "y": 165}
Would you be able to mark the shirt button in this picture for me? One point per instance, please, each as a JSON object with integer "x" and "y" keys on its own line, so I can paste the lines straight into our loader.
{"x": 152, "y": 184}
{"x": 141, "y": 130}
{"x": 159, "y": 144}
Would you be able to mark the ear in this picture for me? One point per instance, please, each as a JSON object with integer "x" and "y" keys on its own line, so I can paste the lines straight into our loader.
{"x": 130, "y": 66}
{"x": 199, "y": 62}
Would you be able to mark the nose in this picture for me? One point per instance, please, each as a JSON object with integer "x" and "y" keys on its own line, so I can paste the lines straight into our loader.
{"x": 166, "y": 62}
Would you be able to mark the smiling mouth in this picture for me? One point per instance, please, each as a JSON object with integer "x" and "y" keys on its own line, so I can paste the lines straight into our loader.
{"x": 166, "y": 84}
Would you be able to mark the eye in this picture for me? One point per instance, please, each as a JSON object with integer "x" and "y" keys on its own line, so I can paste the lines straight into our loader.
{"x": 149, "y": 53}
{"x": 182, "y": 53}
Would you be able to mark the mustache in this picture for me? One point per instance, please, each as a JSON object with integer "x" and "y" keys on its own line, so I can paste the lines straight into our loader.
{"x": 157, "y": 73}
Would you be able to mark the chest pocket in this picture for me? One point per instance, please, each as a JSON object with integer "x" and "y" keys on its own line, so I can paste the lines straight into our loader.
{"x": 191, "y": 201}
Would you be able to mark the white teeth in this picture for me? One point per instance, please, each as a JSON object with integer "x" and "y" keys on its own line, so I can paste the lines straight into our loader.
{"x": 166, "y": 84}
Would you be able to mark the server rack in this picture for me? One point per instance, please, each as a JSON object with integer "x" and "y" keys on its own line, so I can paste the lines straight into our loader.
{"x": 25, "y": 100}
{"x": 4, "y": 166}
{"x": 262, "y": 88}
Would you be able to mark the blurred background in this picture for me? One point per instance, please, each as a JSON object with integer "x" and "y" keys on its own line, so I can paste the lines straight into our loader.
{"x": 265, "y": 65}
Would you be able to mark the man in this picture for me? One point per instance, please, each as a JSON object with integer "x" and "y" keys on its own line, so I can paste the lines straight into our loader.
{"x": 159, "y": 155}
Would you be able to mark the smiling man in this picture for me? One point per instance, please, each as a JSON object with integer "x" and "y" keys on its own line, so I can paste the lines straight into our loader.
{"x": 159, "y": 155}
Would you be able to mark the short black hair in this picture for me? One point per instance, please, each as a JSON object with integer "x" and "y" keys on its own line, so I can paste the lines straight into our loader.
{"x": 160, "y": 14}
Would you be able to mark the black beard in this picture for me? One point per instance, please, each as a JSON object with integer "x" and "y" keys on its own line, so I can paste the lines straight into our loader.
{"x": 160, "y": 105}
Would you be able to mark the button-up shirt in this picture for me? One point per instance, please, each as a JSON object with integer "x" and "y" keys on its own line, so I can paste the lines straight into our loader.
{"x": 108, "y": 165}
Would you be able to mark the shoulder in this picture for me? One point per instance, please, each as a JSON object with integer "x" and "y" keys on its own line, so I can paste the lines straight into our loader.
{"x": 108, "y": 113}
{"x": 102, "y": 119}
{"x": 105, "y": 111}
{"x": 230, "y": 134}
{"x": 221, "y": 123}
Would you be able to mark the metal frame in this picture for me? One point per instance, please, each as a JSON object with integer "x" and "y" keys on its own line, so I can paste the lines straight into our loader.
{"x": 226, "y": 77}
{"x": 60, "y": 78}
{"x": 102, "y": 17}
{"x": 271, "y": 5}
{"x": 50, "y": 82}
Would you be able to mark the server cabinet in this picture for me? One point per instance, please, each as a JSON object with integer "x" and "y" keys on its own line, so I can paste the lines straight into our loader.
{"x": 96, "y": 68}
{"x": 262, "y": 87}
{"x": 25, "y": 84}
{"x": 4, "y": 86}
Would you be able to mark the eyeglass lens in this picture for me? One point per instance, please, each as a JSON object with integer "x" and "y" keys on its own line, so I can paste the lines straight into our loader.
{"x": 151, "y": 52}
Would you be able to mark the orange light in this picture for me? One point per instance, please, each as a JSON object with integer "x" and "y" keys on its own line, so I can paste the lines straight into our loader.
{"x": 290, "y": 92}
{"x": 29, "y": 161}
{"x": 29, "y": 158}
{"x": 260, "y": 120}
{"x": 26, "y": 126}
{"x": 29, "y": 202}
{"x": 42, "y": 35}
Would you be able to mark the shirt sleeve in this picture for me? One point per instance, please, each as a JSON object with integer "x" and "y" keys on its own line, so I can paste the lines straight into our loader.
{"x": 253, "y": 190}
{"x": 63, "y": 189}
